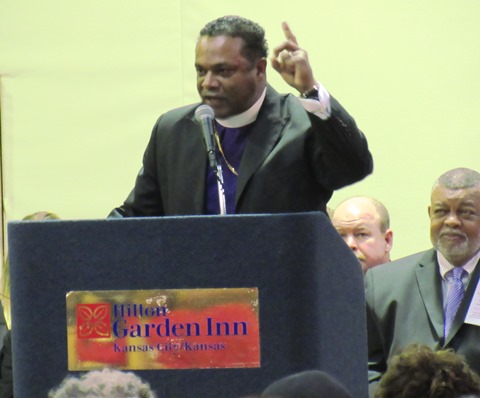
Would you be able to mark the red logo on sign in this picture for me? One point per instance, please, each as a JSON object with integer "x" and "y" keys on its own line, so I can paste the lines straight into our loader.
{"x": 93, "y": 320}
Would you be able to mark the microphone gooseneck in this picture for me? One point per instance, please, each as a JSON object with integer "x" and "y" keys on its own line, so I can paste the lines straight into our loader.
{"x": 205, "y": 115}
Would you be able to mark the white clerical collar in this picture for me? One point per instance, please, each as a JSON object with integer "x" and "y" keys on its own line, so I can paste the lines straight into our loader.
{"x": 244, "y": 118}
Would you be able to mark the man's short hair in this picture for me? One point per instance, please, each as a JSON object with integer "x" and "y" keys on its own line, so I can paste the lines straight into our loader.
{"x": 379, "y": 207}
{"x": 459, "y": 178}
{"x": 383, "y": 213}
{"x": 234, "y": 26}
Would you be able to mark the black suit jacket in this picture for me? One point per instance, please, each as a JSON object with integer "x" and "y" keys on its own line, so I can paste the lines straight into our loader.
{"x": 405, "y": 306}
{"x": 6, "y": 372}
{"x": 292, "y": 162}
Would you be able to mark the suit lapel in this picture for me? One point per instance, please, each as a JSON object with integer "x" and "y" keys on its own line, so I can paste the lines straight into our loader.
{"x": 196, "y": 162}
{"x": 463, "y": 308}
{"x": 265, "y": 134}
{"x": 431, "y": 293}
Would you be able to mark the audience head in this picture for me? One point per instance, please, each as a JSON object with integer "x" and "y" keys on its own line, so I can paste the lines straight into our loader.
{"x": 418, "y": 371}
{"x": 307, "y": 384}
{"x": 41, "y": 215}
{"x": 106, "y": 383}
{"x": 364, "y": 225}
{"x": 455, "y": 215}
{"x": 5, "y": 279}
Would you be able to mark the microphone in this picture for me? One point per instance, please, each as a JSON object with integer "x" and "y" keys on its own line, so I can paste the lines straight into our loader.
{"x": 204, "y": 115}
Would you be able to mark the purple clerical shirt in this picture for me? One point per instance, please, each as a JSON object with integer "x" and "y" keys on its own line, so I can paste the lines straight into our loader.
{"x": 233, "y": 141}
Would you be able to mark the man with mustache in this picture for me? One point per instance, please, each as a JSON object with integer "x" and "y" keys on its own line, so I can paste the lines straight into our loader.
{"x": 278, "y": 153}
{"x": 424, "y": 298}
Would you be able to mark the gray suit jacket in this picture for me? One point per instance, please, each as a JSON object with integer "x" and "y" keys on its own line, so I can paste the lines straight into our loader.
{"x": 292, "y": 162}
{"x": 405, "y": 306}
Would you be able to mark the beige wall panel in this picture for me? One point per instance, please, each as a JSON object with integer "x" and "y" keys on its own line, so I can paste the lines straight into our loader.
{"x": 84, "y": 82}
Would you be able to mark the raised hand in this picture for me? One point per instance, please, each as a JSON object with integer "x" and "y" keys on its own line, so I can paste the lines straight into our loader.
{"x": 292, "y": 63}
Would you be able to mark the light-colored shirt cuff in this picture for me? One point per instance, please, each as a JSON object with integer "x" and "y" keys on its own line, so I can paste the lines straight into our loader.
{"x": 320, "y": 108}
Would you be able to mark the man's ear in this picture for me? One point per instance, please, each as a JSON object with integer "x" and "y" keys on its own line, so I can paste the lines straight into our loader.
{"x": 261, "y": 66}
{"x": 388, "y": 240}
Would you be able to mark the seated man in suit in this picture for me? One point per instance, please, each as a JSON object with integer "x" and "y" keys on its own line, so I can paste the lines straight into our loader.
{"x": 278, "y": 153}
{"x": 424, "y": 298}
{"x": 364, "y": 225}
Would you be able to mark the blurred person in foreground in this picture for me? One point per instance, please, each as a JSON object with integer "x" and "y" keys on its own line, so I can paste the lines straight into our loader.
{"x": 420, "y": 372}
{"x": 364, "y": 225}
{"x": 106, "y": 383}
{"x": 278, "y": 153}
{"x": 306, "y": 384}
{"x": 424, "y": 298}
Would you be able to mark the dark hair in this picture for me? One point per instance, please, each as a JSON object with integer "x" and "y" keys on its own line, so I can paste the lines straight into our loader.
{"x": 234, "y": 26}
{"x": 418, "y": 371}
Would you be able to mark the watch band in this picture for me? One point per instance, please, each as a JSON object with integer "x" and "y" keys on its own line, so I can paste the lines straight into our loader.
{"x": 312, "y": 93}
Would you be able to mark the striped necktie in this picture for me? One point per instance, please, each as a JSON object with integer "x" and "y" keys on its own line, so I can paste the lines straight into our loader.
{"x": 456, "y": 289}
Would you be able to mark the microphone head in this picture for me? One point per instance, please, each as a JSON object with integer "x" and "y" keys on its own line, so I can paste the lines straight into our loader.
{"x": 204, "y": 111}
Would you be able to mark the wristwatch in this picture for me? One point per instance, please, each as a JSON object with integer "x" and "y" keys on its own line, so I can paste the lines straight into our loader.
{"x": 312, "y": 93}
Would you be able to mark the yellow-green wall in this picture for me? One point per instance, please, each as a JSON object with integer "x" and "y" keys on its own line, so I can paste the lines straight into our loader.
{"x": 84, "y": 81}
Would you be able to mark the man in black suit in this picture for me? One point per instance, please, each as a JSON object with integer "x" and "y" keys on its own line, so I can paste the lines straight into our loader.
{"x": 6, "y": 372}
{"x": 278, "y": 153}
{"x": 6, "y": 382}
{"x": 408, "y": 300}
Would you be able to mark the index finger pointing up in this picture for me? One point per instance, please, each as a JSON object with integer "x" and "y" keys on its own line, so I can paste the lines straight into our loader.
{"x": 288, "y": 33}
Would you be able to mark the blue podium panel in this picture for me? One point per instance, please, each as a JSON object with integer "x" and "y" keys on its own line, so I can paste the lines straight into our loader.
{"x": 310, "y": 286}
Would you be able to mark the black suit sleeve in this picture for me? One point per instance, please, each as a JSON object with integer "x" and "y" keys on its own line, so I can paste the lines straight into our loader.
{"x": 340, "y": 149}
{"x": 377, "y": 362}
{"x": 145, "y": 198}
{"x": 6, "y": 375}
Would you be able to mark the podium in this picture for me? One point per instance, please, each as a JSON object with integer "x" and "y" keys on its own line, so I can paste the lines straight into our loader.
{"x": 310, "y": 293}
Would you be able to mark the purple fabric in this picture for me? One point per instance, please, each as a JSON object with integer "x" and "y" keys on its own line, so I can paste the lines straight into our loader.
{"x": 233, "y": 141}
